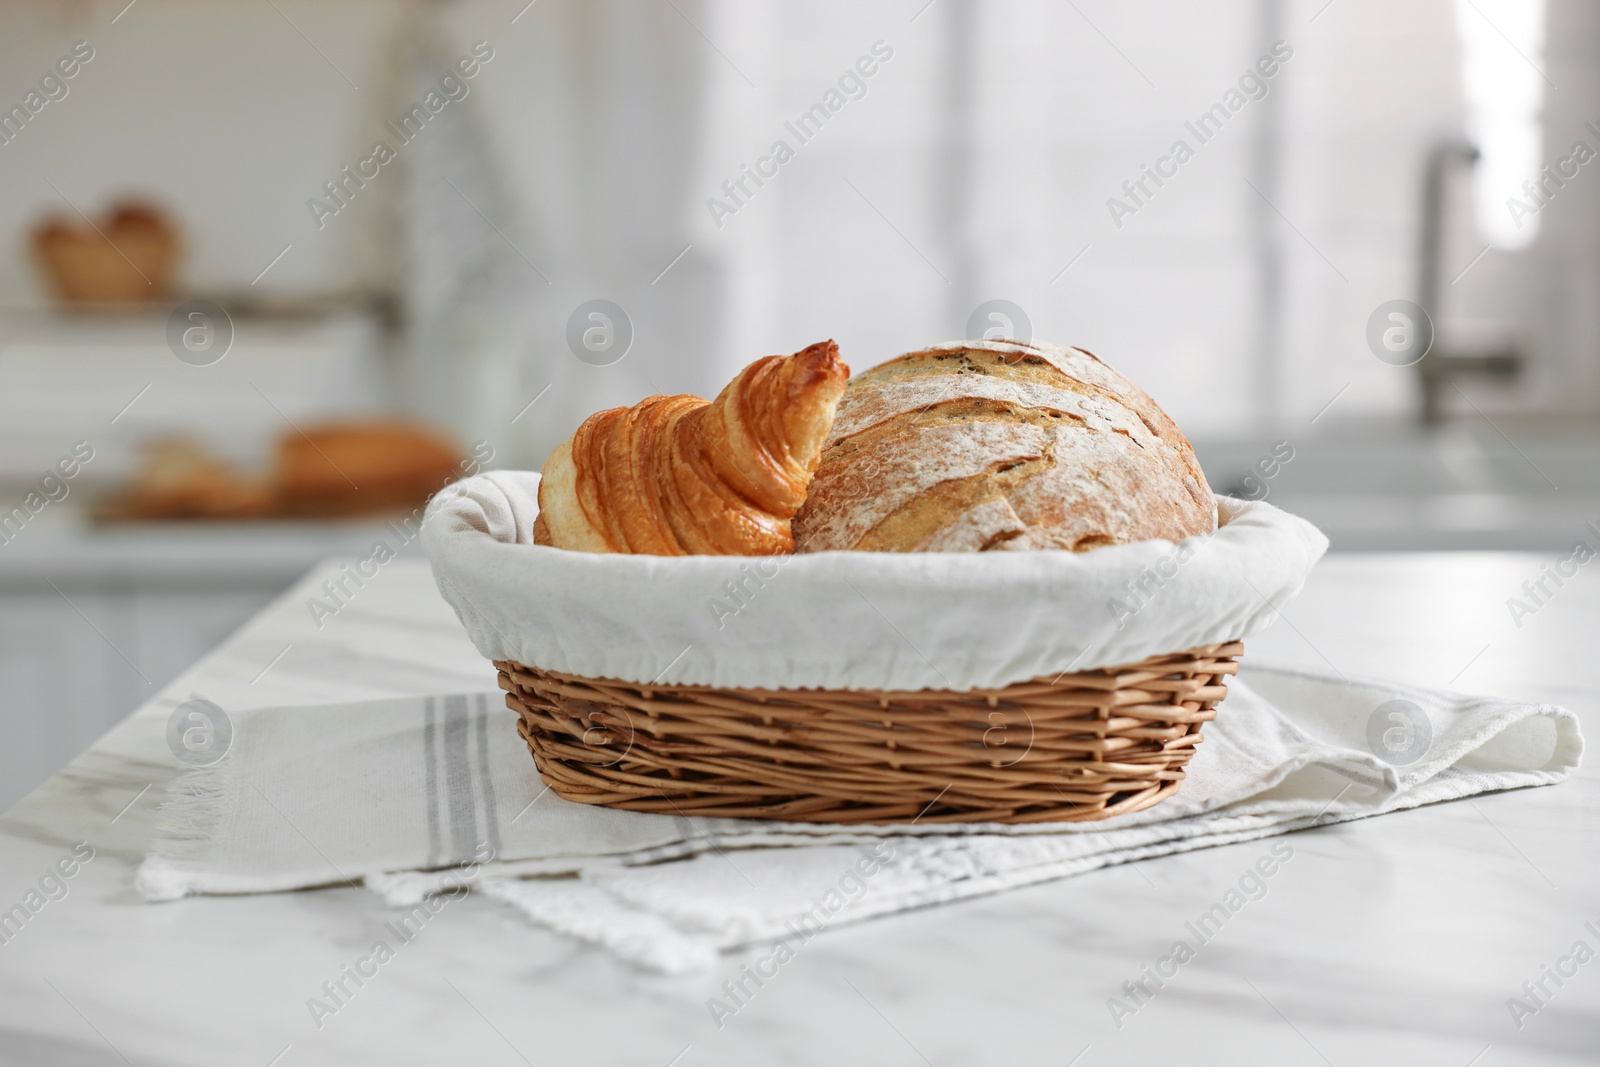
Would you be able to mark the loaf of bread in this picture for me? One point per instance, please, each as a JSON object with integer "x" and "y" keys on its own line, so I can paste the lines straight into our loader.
{"x": 1007, "y": 445}
{"x": 361, "y": 468}
{"x": 179, "y": 479}
{"x": 676, "y": 475}
{"x": 330, "y": 471}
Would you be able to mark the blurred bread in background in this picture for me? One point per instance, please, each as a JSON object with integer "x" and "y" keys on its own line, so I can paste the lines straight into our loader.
{"x": 361, "y": 468}
{"x": 178, "y": 479}
{"x": 334, "y": 471}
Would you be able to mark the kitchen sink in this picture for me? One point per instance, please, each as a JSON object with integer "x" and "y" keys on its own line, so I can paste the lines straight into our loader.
{"x": 1471, "y": 484}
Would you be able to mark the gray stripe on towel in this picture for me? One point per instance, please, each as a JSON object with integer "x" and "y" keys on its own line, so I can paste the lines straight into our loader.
{"x": 431, "y": 781}
{"x": 458, "y": 780}
{"x": 491, "y": 817}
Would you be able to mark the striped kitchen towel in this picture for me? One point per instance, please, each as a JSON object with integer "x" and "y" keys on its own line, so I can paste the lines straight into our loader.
{"x": 326, "y": 794}
{"x": 418, "y": 796}
{"x": 334, "y": 794}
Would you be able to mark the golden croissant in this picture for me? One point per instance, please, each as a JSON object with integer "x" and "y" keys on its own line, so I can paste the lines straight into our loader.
{"x": 676, "y": 475}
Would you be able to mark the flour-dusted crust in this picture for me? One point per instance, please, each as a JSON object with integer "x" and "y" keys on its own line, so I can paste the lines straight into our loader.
{"x": 985, "y": 445}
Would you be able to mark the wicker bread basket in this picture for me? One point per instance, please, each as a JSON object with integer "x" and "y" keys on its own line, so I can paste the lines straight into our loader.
{"x": 861, "y": 687}
{"x": 131, "y": 256}
{"x": 1072, "y": 748}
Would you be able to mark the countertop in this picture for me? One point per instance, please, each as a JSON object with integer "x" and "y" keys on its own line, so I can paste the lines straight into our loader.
{"x": 62, "y": 546}
{"x": 1396, "y": 940}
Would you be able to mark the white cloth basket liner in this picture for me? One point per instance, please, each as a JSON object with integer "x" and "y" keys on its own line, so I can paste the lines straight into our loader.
{"x": 851, "y": 620}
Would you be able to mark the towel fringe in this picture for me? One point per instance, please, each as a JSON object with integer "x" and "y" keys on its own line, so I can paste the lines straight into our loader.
{"x": 199, "y": 803}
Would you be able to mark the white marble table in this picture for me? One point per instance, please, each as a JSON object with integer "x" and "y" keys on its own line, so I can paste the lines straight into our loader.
{"x": 1391, "y": 941}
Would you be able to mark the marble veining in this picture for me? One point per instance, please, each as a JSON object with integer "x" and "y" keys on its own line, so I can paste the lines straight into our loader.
{"x": 1388, "y": 941}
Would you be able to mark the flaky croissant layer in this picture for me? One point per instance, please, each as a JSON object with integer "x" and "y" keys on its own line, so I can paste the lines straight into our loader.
{"x": 676, "y": 475}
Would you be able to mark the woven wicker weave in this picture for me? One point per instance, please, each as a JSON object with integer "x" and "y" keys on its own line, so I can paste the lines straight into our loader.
{"x": 1074, "y": 748}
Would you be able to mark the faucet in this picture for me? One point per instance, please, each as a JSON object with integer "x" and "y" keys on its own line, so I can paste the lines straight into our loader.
{"x": 1437, "y": 368}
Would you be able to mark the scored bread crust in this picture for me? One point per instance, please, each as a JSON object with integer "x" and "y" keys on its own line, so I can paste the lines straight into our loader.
{"x": 1000, "y": 445}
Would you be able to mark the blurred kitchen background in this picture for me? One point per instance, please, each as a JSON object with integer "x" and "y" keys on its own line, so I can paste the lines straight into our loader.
{"x": 207, "y": 266}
